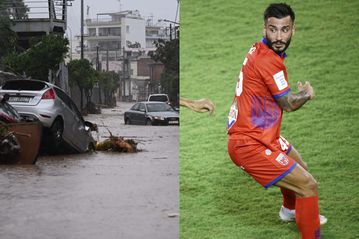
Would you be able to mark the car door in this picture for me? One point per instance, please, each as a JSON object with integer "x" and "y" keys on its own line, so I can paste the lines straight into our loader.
{"x": 131, "y": 114}
{"x": 81, "y": 135}
{"x": 141, "y": 114}
{"x": 67, "y": 115}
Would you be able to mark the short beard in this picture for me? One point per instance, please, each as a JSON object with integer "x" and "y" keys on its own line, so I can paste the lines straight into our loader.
{"x": 270, "y": 45}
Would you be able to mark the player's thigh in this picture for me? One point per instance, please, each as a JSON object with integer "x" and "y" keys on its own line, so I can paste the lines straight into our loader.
{"x": 294, "y": 154}
{"x": 300, "y": 181}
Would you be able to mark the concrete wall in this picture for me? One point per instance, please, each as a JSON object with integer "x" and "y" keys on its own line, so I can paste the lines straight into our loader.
{"x": 133, "y": 30}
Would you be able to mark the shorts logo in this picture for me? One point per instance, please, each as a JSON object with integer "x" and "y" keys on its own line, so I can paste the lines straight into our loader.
{"x": 280, "y": 81}
{"x": 282, "y": 159}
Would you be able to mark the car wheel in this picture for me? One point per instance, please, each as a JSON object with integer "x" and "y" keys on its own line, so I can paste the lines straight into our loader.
{"x": 56, "y": 131}
{"x": 148, "y": 122}
{"x": 127, "y": 121}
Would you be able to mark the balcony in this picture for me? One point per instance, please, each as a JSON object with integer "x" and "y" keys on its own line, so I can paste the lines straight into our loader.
{"x": 102, "y": 22}
{"x": 102, "y": 38}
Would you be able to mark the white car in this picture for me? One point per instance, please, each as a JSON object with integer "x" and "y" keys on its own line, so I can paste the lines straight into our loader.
{"x": 159, "y": 97}
{"x": 47, "y": 103}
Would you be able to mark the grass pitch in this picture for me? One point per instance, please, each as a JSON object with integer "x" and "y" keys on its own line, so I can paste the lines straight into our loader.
{"x": 218, "y": 200}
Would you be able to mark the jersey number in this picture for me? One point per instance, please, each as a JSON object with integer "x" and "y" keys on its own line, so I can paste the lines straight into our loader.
{"x": 239, "y": 87}
{"x": 284, "y": 144}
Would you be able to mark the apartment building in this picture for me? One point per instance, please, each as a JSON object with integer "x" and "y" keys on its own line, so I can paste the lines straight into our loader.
{"x": 116, "y": 41}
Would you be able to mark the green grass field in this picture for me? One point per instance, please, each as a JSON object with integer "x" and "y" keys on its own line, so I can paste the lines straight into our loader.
{"x": 217, "y": 199}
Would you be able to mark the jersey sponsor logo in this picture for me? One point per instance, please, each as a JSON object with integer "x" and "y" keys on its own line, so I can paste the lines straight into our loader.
{"x": 232, "y": 116}
{"x": 265, "y": 112}
{"x": 282, "y": 159}
{"x": 280, "y": 81}
{"x": 268, "y": 152}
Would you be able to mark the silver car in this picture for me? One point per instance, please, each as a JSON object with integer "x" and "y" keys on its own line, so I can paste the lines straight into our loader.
{"x": 62, "y": 121}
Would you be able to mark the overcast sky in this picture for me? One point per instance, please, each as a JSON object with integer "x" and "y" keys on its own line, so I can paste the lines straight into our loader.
{"x": 165, "y": 9}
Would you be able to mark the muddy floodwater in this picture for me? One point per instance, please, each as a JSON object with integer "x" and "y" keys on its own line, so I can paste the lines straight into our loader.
{"x": 97, "y": 195}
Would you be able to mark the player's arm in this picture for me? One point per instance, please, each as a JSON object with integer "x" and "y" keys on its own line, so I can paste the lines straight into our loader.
{"x": 202, "y": 105}
{"x": 291, "y": 102}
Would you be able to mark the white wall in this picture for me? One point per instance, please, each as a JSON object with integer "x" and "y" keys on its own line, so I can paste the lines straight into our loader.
{"x": 137, "y": 32}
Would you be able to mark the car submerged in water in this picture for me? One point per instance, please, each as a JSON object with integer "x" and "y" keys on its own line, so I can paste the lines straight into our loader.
{"x": 64, "y": 126}
{"x": 151, "y": 113}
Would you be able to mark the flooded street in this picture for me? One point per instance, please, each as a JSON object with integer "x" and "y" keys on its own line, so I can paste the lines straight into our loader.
{"x": 97, "y": 195}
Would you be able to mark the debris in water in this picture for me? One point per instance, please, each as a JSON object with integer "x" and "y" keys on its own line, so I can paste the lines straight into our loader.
{"x": 117, "y": 144}
{"x": 173, "y": 214}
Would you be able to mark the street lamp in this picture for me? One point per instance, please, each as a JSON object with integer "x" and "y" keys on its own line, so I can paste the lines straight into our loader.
{"x": 166, "y": 20}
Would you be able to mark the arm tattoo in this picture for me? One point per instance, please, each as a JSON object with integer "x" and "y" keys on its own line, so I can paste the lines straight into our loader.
{"x": 291, "y": 102}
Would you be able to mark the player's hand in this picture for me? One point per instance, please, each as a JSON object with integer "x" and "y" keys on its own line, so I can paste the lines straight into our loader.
{"x": 306, "y": 88}
{"x": 203, "y": 105}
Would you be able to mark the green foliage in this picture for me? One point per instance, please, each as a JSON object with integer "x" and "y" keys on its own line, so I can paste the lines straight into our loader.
{"x": 108, "y": 80}
{"x": 36, "y": 61}
{"x": 217, "y": 199}
{"x": 14, "y": 9}
{"x": 7, "y": 36}
{"x": 167, "y": 52}
{"x": 108, "y": 83}
{"x": 83, "y": 75}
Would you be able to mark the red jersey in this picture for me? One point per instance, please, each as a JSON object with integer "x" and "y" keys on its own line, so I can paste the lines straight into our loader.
{"x": 255, "y": 115}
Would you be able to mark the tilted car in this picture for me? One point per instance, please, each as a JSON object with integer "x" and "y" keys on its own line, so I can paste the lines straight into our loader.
{"x": 47, "y": 103}
{"x": 151, "y": 113}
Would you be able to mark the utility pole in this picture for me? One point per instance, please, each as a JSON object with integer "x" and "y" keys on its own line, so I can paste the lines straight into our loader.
{"x": 97, "y": 58}
{"x": 98, "y": 69}
{"x": 64, "y": 11}
{"x": 123, "y": 75}
{"x": 82, "y": 29}
{"x": 107, "y": 66}
{"x": 170, "y": 32}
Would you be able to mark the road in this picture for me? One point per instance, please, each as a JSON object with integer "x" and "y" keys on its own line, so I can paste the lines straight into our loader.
{"x": 97, "y": 195}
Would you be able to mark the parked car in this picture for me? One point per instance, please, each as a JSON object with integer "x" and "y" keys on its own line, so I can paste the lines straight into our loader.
{"x": 151, "y": 113}
{"x": 47, "y": 103}
{"x": 159, "y": 97}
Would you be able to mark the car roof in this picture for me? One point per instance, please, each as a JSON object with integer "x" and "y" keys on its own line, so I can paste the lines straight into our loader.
{"x": 151, "y": 102}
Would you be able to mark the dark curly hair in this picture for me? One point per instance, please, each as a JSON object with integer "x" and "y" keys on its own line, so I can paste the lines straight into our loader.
{"x": 278, "y": 10}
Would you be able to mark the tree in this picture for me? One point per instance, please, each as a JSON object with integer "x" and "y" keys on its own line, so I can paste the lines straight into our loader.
{"x": 40, "y": 58}
{"x": 167, "y": 52}
{"x": 15, "y": 9}
{"x": 108, "y": 83}
{"x": 84, "y": 76}
{"x": 7, "y": 36}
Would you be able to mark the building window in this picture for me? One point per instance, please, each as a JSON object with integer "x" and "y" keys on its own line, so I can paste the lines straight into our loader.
{"x": 110, "y": 31}
{"x": 92, "y": 32}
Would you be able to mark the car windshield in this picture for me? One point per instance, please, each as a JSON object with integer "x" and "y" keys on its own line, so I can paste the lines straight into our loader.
{"x": 24, "y": 85}
{"x": 158, "y": 107}
{"x": 162, "y": 98}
